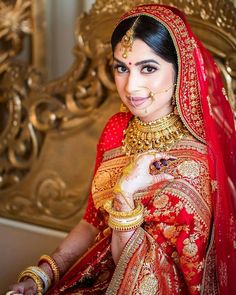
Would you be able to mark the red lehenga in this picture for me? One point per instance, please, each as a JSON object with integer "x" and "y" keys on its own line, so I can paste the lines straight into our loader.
{"x": 187, "y": 242}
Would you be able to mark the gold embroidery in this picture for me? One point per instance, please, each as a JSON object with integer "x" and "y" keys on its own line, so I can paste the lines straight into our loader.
{"x": 225, "y": 94}
{"x": 161, "y": 201}
{"x": 190, "y": 249}
{"x": 106, "y": 178}
{"x": 189, "y": 169}
{"x": 209, "y": 105}
{"x": 189, "y": 142}
{"x": 194, "y": 43}
{"x": 171, "y": 232}
{"x": 190, "y": 196}
{"x": 214, "y": 185}
{"x": 111, "y": 154}
{"x": 223, "y": 275}
{"x": 149, "y": 285}
{"x": 131, "y": 246}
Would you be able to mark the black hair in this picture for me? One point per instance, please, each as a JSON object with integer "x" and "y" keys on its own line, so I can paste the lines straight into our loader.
{"x": 152, "y": 32}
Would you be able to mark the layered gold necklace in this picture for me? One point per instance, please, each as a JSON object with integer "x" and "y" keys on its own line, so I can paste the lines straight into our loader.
{"x": 160, "y": 135}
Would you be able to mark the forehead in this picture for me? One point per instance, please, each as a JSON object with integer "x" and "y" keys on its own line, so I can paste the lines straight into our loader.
{"x": 140, "y": 50}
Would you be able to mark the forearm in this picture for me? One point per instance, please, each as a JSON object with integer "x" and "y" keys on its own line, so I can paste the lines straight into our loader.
{"x": 119, "y": 238}
{"x": 72, "y": 247}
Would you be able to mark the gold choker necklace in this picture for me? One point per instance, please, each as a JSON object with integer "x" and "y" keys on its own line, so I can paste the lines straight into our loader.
{"x": 160, "y": 135}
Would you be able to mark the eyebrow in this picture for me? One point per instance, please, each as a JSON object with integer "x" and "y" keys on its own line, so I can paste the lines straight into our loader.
{"x": 139, "y": 62}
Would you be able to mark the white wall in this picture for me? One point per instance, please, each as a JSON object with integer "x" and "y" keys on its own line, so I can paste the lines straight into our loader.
{"x": 61, "y": 21}
{"x": 87, "y": 4}
{"x": 21, "y": 245}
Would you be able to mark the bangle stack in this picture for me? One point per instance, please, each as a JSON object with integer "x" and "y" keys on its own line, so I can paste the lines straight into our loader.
{"x": 124, "y": 221}
{"x": 52, "y": 263}
{"x": 28, "y": 273}
{"x": 39, "y": 276}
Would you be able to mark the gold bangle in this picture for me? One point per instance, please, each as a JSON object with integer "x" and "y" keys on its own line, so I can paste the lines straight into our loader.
{"x": 126, "y": 221}
{"x": 29, "y": 274}
{"x": 52, "y": 263}
{"x": 122, "y": 214}
{"x": 118, "y": 227}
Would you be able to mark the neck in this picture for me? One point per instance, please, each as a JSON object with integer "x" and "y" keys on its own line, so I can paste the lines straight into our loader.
{"x": 168, "y": 119}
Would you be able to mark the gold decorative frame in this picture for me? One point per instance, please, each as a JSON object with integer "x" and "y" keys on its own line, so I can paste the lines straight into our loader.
{"x": 48, "y": 130}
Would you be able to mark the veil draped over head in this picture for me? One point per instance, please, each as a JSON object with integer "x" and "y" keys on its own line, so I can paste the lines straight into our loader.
{"x": 205, "y": 111}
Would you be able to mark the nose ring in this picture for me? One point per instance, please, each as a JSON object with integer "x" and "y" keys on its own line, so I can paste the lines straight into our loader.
{"x": 151, "y": 95}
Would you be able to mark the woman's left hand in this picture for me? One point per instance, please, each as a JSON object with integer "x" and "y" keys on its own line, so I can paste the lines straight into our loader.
{"x": 137, "y": 175}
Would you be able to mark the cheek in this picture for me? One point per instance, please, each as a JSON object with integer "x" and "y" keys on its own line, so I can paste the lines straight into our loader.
{"x": 119, "y": 84}
{"x": 162, "y": 81}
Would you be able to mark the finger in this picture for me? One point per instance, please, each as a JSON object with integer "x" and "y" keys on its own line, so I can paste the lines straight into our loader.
{"x": 145, "y": 155}
{"x": 163, "y": 177}
{"x": 172, "y": 158}
{"x": 157, "y": 165}
{"x": 163, "y": 162}
{"x": 145, "y": 160}
{"x": 17, "y": 288}
{"x": 165, "y": 156}
{"x": 157, "y": 155}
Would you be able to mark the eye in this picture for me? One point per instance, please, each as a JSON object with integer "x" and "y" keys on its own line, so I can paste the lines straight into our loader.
{"x": 148, "y": 69}
{"x": 120, "y": 68}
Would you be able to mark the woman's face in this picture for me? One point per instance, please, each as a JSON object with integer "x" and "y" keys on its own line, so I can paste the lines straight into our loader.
{"x": 139, "y": 74}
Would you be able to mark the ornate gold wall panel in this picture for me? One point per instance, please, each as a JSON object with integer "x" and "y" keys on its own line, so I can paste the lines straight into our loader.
{"x": 48, "y": 130}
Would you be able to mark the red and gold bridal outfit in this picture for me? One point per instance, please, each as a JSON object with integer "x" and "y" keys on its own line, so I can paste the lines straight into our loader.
{"x": 172, "y": 253}
{"x": 167, "y": 254}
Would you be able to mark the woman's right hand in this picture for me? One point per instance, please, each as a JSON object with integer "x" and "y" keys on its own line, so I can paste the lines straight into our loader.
{"x": 27, "y": 287}
{"x": 137, "y": 174}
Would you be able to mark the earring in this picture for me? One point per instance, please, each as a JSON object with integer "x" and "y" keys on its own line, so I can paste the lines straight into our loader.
{"x": 173, "y": 103}
{"x": 173, "y": 100}
{"x": 123, "y": 108}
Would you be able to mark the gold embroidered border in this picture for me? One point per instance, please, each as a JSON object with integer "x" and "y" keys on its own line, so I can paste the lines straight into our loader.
{"x": 105, "y": 179}
{"x": 114, "y": 153}
{"x": 209, "y": 279}
{"x": 191, "y": 144}
{"x": 188, "y": 194}
{"x": 132, "y": 245}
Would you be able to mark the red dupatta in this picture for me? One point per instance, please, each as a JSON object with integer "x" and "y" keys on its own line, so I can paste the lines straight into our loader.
{"x": 205, "y": 111}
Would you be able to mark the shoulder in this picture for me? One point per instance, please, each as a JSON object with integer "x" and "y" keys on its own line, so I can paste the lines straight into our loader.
{"x": 190, "y": 143}
{"x": 112, "y": 133}
{"x": 118, "y": 121}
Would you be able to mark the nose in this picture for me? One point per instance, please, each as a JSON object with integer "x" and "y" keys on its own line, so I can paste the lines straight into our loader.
{"x": 131, "y": 83}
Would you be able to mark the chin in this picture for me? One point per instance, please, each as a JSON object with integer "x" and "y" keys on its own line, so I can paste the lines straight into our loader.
{"x": 138, "y": 113}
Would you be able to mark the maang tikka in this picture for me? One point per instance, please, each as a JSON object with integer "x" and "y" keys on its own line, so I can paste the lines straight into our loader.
{"x": 128, "y": 39}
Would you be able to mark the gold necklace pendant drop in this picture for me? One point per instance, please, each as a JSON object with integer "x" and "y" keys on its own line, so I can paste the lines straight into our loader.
{"x": 160, "y": 135}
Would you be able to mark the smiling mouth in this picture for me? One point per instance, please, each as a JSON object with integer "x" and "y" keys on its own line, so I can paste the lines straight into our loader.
{"x": 136, "y": 100}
